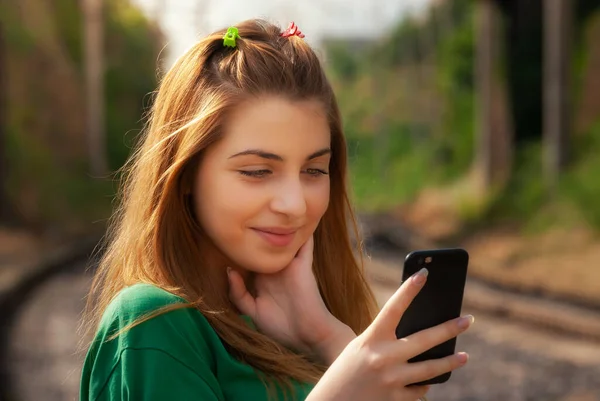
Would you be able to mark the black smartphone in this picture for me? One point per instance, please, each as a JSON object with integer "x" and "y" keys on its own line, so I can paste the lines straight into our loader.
{"x": 439, "y": 300}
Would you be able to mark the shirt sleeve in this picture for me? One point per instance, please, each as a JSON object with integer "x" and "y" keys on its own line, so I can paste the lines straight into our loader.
{"x": 152, "y": 375}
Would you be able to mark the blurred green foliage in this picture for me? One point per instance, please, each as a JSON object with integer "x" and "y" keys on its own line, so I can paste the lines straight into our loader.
{"x": 51, "y": 184}
{"x": 131, "y": 45}
{"x": 344, "y": 63}
{"x": 397, "y": 154}
{"x": 581, "y": 185}
{"x": 415, "y": 153}
{"x": 406, "y": 170}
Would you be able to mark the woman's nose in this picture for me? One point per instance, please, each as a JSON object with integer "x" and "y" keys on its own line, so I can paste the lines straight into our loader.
{"x": 290, "y": 198}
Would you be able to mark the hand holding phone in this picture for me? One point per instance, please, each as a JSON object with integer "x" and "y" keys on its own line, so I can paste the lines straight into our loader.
{"x": 375, "y": 365}
{"x": 439, "y": 301}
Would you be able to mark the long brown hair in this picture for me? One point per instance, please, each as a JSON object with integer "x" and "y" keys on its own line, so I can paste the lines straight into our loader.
{"x": 153, "y": 237}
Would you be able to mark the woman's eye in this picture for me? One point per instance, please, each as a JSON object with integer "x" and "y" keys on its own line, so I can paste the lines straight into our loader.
{"x": 255, "y": 173}
{"x": 316, "y": 172}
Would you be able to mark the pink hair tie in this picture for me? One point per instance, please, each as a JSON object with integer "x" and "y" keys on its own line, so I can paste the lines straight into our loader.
{"x": 292, "y": 30}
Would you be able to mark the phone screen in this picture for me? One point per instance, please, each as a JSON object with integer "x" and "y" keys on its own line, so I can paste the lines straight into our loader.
{"x": 441, "y": 297}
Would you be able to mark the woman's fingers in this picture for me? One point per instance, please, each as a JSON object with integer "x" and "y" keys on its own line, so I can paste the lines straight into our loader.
{"x": 424, "y": 340}
{"x": 384, "y": 325}
{"x": 420, "y": 371}
{"x": 239, "y": 295}
{"x": 306, "y": 250}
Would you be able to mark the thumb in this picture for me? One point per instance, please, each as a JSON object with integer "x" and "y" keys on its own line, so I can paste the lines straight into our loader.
{"x": 389, "y": 316}
{"x": 239, "y": 295}
{"x": 305, "y": 253}
{"x": 307, "y": 249}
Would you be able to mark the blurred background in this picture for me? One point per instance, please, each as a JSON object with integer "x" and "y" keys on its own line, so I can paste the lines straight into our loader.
{"x": 469, "y": 123}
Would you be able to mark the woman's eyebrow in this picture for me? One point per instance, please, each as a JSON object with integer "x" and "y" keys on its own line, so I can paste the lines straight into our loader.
{"x": 272, "y": 156}
{"x": 319, "y": 153}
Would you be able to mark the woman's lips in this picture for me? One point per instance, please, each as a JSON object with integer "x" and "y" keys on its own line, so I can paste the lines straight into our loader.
{"x": 276, "y": 236}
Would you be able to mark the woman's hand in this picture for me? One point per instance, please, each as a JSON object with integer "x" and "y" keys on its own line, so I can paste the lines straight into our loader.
{"x": 288, "y": 307}
{"x": 374, "y": 365}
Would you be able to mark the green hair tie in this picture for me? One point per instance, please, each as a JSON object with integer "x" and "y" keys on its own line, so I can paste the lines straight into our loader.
{"x": 230, "y": 36}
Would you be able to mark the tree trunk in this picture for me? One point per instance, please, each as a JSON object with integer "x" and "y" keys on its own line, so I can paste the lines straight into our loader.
{"x": 7, "y": 211}
{"x": 494, "y": 128}
{"x": 558, "y": 16}
{"x": 94, "y": 82}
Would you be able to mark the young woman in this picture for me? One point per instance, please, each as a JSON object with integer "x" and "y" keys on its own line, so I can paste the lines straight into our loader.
{"x": 229, "y": 272}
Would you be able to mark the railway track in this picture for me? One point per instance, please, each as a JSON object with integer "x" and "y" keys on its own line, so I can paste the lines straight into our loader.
{"x": 57, "y": 318}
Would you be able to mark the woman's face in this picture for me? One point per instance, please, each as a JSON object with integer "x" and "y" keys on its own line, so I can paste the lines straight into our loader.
{"x": 261, "y": 190}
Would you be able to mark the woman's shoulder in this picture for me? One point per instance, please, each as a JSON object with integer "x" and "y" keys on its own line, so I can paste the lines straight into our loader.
{"x": 138, "y": 334}
{"x": 140, "y": 300}
{"x": 145, "y": 307}
{"x": 141, "y": 317}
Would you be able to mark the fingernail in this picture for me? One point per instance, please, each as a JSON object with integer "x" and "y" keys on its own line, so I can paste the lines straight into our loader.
{"x": 462, "y": 357}
{"x": 466, "y": 321}
{"x": 228, "y": 270}
{"x": 420, "y": 276}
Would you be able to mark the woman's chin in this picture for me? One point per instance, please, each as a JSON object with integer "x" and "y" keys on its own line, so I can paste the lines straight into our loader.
{"x": 270, "y": 265}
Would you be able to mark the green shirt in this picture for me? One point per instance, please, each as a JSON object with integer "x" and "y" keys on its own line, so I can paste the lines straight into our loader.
{"x": 174, "y": 356}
